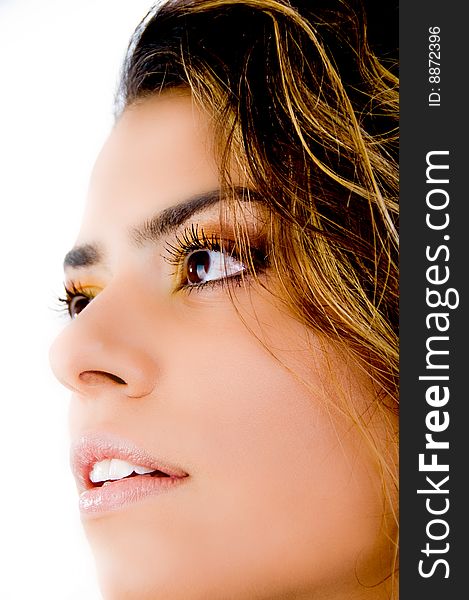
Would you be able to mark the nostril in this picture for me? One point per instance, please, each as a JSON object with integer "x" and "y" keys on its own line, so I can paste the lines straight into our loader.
{"x": 99, "y": 377}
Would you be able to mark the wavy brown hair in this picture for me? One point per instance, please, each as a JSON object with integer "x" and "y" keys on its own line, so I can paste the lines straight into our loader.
{"x": 294, "y": 89}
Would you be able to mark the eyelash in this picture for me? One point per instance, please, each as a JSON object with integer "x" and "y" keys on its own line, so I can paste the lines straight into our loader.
{"x": 192, "y": 238}
{"x": 73, "y": 291}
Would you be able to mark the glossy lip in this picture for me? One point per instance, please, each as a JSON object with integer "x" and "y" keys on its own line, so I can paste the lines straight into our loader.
{"x": 92, "y": 448}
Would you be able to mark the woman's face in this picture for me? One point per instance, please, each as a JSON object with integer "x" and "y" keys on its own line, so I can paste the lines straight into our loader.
{"x": 269, "y": 492}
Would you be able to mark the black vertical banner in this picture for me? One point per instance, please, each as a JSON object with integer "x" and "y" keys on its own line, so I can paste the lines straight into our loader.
{"x": 434, "y": 170}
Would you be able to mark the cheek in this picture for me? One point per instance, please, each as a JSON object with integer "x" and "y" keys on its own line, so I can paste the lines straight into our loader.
{"x": 275, "y": 467}
{"x": 277, "y": 471}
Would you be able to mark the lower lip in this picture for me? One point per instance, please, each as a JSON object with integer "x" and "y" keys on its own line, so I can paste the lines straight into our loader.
{"x": 120, "y": 494}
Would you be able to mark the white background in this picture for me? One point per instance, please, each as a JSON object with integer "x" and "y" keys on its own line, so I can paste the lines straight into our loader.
{"x": 59, "y": 64}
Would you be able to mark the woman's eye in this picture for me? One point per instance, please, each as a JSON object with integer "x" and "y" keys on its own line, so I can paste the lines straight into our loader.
{"x": 77, "y": 298}
{"x": 76, "y": 304}
{"x": 202, "y": 266}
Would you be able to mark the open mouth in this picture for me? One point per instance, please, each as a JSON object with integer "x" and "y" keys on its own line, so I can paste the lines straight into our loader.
{"x": 113, "y": 473}
{"x": 107, "y": 471}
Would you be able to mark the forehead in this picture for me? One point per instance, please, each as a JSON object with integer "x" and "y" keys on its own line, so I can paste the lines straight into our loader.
{"x": 159, "y": 153}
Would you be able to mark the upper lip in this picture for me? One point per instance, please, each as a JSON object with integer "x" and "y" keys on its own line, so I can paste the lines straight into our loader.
{"x": 92, "y": 448}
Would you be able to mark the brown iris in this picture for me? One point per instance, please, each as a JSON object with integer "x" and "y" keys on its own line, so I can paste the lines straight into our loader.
{"x": 77, "y": 304}
{"x": 198, "y": 264}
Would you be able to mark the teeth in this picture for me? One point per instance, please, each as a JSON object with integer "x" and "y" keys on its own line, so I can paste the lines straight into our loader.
{"x": 100, "y": 471}
{"x": 142, "y": 470}
{"x": 118, "y": 469}
{"x": 114, "y": 469}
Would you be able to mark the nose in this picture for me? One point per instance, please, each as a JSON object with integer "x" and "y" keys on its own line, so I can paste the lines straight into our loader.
{"x": 105, "y": 349}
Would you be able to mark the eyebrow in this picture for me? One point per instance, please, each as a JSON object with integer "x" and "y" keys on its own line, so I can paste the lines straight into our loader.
{"x": 82, "y": 256}
{"x": 153, "y": 229}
